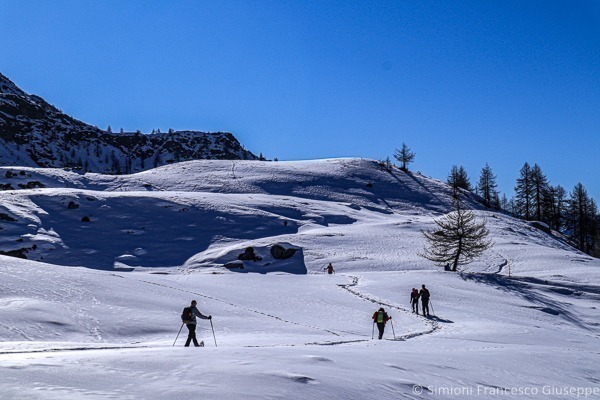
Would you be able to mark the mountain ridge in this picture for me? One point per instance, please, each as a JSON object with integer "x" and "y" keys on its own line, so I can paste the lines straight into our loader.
{"x": 35, "y": 133}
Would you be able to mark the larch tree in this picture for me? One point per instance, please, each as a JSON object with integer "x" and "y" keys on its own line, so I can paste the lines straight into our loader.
{"x": 555, "y": 202}
{"x": 582, "y": 219}
{"x": 458, "y": 240}
{"x": 486, "y": 187}
{"x": 540, "y": 189}
{"x": 404, "y": 156}
{"x": 458, "y": 179}
{"x": 524, "y": 193}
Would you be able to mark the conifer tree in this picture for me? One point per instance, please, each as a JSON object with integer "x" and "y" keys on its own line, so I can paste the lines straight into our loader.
{"x": 487, "y": 186}
{"x": 458, "y": 179}
{"x": 540, "y": 189}
{"x": 554, "y": 206}
{"x": 459, "y": 239}
{"x": 524, "y": 193}
{"x": 404, "y": 156}
{"x": 582, "y": 219}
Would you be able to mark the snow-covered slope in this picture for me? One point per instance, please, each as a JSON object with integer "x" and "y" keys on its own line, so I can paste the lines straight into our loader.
{"x": 162, "y": 217}
{"x": 521, "y": 322}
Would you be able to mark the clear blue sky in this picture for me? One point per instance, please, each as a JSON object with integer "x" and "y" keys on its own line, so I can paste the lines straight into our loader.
{"x": 460, "y": 82}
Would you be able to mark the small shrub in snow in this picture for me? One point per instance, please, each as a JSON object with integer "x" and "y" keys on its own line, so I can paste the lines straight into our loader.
{"x": 32, "y": 185}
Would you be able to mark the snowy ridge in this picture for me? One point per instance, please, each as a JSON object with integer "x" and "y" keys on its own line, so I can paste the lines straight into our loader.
{"x": 94, "y": 311}
{"x": 36, "y": 134}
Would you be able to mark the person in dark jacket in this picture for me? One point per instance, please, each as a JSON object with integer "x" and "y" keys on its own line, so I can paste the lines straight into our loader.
{"x": 424, "y": 294}
{"x": 329, "y": 269}
{"x": 414, "y": 300}
{"x": 190, "y": 322}
{"x": 380, "y": 318}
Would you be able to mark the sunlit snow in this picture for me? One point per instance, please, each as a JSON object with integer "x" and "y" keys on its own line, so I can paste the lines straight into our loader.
{"x": 94, "y": 311}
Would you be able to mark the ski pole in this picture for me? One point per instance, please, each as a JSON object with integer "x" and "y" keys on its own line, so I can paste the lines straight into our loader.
{"x": 213, "y": 331}
{"x": 373, "y": 331}
{"x": 178, "y": 333}
{"x": 431, "y": 304}
{"x": 393, "y": 328}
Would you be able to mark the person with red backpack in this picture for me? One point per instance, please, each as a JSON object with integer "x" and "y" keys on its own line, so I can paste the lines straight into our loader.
{"x": 189, "y": 319}
{"x": 414, "y": 300}
{"x": 380, "y": 318}
{"x": 330, "y": 269}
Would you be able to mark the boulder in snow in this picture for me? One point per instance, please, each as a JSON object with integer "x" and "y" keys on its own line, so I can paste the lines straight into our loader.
{"x": 281, "y": 253}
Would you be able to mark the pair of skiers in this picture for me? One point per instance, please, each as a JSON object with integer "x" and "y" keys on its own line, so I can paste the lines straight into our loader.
{"x": 424, "y": 295}
{"x": 188, "y": 317}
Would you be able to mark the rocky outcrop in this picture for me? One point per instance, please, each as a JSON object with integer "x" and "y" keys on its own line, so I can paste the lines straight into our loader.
{"x": 281, "y": 253}
{"x": 34, "y": 133}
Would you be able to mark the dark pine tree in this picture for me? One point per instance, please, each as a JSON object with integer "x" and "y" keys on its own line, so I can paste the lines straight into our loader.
{"x": 539, "y": 184}
{"x": 524, "y": 193}
{"x": 458, "y": 179}
{"x": 486, "y": 187}
{"x": 581, "y": 219}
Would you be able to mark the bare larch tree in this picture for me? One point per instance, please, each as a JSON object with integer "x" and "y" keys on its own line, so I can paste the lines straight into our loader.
{"x": 460, "y": 239}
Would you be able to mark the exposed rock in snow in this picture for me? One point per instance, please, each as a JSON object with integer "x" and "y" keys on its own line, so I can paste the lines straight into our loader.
{"x": 34, "y": 133}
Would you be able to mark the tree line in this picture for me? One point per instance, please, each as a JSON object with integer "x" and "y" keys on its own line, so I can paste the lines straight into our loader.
{"x": 574, "y": 214}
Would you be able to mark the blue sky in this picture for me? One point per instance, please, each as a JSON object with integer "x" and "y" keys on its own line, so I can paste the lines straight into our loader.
{"x": 460, "y": 82}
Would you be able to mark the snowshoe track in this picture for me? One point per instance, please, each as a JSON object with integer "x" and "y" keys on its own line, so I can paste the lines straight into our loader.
{"x": 351, "y": 287}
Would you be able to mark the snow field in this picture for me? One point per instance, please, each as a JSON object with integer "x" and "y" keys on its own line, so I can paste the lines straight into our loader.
{"x": 521, "y": 322}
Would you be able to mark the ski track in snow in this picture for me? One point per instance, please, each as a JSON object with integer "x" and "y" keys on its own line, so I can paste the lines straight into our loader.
{"x": 78, "y": 348}
{"x": 235, "y": 306}
{"x": 434, "y": 326}
{"x": 350, "y": 287}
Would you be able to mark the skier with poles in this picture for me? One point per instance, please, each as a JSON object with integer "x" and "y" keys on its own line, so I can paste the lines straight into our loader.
{"x": 380, "y": 317}
{"x": 424, "y": 294}
{"x": 414, "y": 300}
{"x": 188, "y": 317}
{"x": 330, "y": 269}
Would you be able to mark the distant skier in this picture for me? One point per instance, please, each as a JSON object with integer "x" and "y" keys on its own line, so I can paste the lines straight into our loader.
{"x": 414, "y": 300}
{"x": 189, "y": 319}
{"x": 380, "y": 318}
{"x": 424, "y": 294}
{"x": 330, "y": 269}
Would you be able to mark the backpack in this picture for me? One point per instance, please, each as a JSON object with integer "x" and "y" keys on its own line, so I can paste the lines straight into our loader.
{"x": 187, "y": 314}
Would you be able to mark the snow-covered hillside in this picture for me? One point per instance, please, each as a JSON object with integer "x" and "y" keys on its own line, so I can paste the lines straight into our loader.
{"x": 112, "y": 260}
